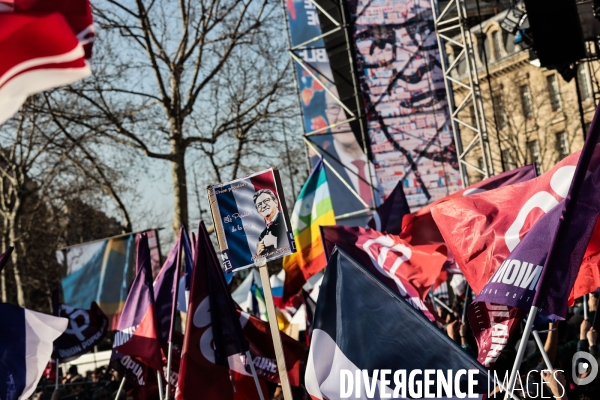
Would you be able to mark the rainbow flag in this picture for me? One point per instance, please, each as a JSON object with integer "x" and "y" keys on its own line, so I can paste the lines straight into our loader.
{"x": 312, "y": 210}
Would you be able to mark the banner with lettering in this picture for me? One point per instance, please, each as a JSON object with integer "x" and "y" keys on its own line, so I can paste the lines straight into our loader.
{"x": 86, "y": 329}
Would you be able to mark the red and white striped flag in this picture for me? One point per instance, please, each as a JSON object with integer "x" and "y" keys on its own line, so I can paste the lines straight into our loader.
{"x": 44, "y": 44}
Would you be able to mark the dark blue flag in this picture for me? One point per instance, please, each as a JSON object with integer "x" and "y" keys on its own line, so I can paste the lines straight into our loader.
{"x": 388, "y": 217}
{"x": 362, "y": 325}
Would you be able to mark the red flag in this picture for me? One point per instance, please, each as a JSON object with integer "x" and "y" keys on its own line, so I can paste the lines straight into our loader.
{"x": 245, "y": 388}
{"x": 44, "y": 44}
{"x": 259, "y": 337}
{"x": 200, "y": 370}
{"x": 481, "y": 230}
{"x": 420, "y": 228}
{"x": 136, "y": 333}
{"x": 409, "y": 270}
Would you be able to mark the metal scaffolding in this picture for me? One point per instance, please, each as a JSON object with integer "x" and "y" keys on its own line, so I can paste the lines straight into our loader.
{"x": 452, "y": 30}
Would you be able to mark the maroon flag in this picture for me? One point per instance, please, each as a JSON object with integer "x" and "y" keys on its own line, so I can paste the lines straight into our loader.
{"x": 388, "y": 217}
{"x": 258, "y": 334}
{"x": 204, "y": 367}
{"x": 44, "y": 44}
{"x": 408, "y": 270}
{"x": 136, "y": 334}
{"x": 4, "y": 257}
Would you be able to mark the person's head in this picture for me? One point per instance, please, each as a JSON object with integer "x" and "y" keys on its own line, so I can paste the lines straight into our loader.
{"x": 73, "y": 370}
{"x": 101, "y": 394}
{"x": 266, "y": 204}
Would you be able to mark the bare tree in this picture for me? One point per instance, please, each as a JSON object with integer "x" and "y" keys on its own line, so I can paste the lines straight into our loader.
{"x": 44, "y": 177}
{"x": 170, "y": 77}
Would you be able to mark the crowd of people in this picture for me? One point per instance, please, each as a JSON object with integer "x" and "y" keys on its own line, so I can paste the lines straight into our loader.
{"x": 562, "y": 339}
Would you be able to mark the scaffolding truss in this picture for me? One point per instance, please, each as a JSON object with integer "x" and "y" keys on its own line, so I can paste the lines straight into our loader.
{"x": 452, "y": 30}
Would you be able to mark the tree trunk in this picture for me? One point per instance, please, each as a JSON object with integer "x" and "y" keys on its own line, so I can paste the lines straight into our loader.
{"x": 179, "y": 188}
{"x": 15, "y": 258}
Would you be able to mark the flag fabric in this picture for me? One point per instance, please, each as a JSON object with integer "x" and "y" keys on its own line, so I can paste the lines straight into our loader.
{"x": 388, "y": 217}
{"x": 104, "y": 275}
{"x": 165, "y": 290}
{"x": 420, "y": 228}
{"x": 313, "y": 209}
{"x": 25, "y": 347}
{"x": 86, "y": 329}
{"x": 258, "y": 334}
{"x": 245, "y": 388}
{"x": 204, "y": 367}
{"x": 4, "y": 257}
{"x": 482, "y": 229}
{"x": 137, "y": 334}
{"x": 575, "y": 227}
{"x": 58, "y": 36}
{"x": 408, "y": 270}
{"x": 354, "y": 305}
{"x": 184, "y": 283}
{"x": 310, "y": 306}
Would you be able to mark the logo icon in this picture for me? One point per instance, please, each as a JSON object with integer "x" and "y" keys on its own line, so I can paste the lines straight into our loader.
{"x": 584, "y": 372}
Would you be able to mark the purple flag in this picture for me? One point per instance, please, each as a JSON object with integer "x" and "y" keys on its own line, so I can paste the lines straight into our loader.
{"x": 388, "y": 217}
{"x": 5, "y": 256}
{"x": 165, "y": 290}
{"x": 136, "y": 334}
{"x": 227, "y": 331}
{"x": 514, "y": 284}
{"x": 575, "y": 227}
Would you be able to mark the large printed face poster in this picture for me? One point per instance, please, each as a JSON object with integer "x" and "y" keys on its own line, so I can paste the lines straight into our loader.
{"x": 403, "y": 86}
{"x": 102, "y": 271}
{"x": 251, "y": 220}
{"x": 350, "y": 174}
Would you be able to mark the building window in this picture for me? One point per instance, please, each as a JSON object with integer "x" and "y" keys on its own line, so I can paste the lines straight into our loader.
{"x": 553, "y": 92}
{"x": 509, "y": 162}
{"x": 584, "y": 83}
{"x": 562, "y": 144}
{"x": 534, "y": 155}
{"x": 497, "y": 41}
{"x": 500, "y": 111}
{"x": 526, "y": 101}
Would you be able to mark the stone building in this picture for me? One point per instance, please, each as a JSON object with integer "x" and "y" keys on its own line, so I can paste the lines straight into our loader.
{"x": 532, "y": 114}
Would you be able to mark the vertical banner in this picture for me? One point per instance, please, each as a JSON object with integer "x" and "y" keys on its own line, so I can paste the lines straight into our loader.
{"x": 403, "y": 87}
{"x": 350, "y": 174}
{"x": 251, "y": 220}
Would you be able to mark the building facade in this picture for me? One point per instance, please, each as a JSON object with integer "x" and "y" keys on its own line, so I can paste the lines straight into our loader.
{"x": 532, "y": 114}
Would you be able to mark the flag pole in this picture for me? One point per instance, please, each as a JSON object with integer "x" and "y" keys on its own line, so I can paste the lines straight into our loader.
{"x": 161, "y": 394}
{"x": 261, "y": 263}
{"x": 464, "y": 313}
{"x": 180, "y": 261}
{"x": 120, "y": 388}
{"x": 521, "y": 351}
{"x": 256, "y": 382}
{"x": 540, "y": 345}
{"x": 56, "y": 383}
{"x": 585, "y": 306}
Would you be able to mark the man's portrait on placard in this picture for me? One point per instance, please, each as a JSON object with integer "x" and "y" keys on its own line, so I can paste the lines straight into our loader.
{"x": 274, "y": 234}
